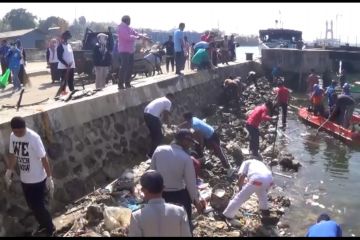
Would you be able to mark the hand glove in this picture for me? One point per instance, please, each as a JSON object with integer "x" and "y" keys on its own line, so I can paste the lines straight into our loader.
{"x": 8, "y": 176}
{"x": 50, "y": 186}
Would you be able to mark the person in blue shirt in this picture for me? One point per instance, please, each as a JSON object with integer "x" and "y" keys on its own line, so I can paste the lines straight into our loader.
{"x": 324, "y": 227}
{"x": 330, "y": 90}
{"x": 4, "y": 48}
{"x": 13, "y": 58}
{"x": 206, "y": 136}
{"x": 179, "y": 46}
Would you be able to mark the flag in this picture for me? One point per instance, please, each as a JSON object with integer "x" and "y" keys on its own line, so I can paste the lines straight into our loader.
{"x": 4, "y": 79}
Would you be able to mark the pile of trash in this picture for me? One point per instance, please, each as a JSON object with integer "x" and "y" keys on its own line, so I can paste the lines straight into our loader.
{"x": 106, "y": 212}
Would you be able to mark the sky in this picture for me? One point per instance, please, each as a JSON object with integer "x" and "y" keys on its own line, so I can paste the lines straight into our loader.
{"x": 240, "y": 18}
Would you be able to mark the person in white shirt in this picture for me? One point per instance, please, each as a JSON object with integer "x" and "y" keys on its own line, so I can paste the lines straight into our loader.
{"x": 176, "y": 167}
{"x": 259, "y": 181}
{"x": 66, "y": 63}
{"x": 152, "y": 115}
{"x": 27, "y": 150}
{"x": 157, "y": 218}
{"x": 52, "y": 59}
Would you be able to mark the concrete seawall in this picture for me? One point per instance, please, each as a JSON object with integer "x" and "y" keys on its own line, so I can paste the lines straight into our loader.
{"x": 91, "y": 141}
{"x": 296, "y": 64}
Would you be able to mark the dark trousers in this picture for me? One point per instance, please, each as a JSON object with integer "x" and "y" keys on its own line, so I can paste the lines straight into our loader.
{"x": 154, "y": 125}
{"x": 254, "y": 139}
{"x": 126, "y": 69}
{"x": 179, "y": 61}
{"x": 182, "y": 198}
{"x": 67, "y": 78}
{"x": 35, "y": 198}
{"x": 54, "y": 71}
{"x": 319, "y": 110}
{"x": 170, "y": 60}
{"x": 283, "y": 107}
{"x": 214, "y": 143}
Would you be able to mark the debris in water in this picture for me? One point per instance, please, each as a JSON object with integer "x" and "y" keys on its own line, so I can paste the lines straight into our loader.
{"x": 315, "y": 197}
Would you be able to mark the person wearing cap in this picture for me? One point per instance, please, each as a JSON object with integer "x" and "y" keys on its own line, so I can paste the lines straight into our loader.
{"x": 157, "y": 218}
{"x": 330, "y": 90}
{"x": 343, "y": 109}
{"x": 126, "y": 49}
{"x": 346, "y": 89}
{"x": 206, "y": 136}
{"x": 152, "y": 113}
{"x": 316, "y": 99}
{"x": 27, "y": 150}
{"x": 282, "y": 100}
{"x": 201, "y": 59}
{"x": 52, "y": 59}
{"x": 176, "y": 167}
{"x": 324, "y": 227}
{"x": 66, "y": 63}
{"x": 102, "y": 60}
{"x": 13, "y": 58}
{"x": 259, "y": 181}
{"x": 258, "y": 115}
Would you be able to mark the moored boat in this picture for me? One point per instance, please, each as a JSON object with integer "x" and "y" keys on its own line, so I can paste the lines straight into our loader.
{"x": 334, "y": 129}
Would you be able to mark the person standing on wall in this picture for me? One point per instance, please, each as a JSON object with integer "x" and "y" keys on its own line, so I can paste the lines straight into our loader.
{"x": 152, "y": 114}
{"x": 66, "y": 63}
{"x": 13, "y": 58}
{"x": 126, "y": 49}
{"x": 102, "y": 60}
{"x": 232, "y": 47}
{"x": 169, "y": 58}
{"x": 22, "y": 73}
{"x": 27, "y": 150}
{"x": 4, "y": 49}
{"x": 179, "y": 46}
{"x": 157, "y": 218}
{"x": 52, "y": 60}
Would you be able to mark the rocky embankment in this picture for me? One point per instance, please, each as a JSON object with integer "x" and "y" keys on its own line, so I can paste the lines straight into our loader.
{"x": 106, "y": 211}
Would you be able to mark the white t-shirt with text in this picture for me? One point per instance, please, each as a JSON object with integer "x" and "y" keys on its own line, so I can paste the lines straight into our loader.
{"x": 157, "y": 106}
{"x": 28, "y": 151}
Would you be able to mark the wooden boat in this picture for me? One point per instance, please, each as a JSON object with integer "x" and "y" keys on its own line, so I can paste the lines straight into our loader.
{"x": 334, "y": 129}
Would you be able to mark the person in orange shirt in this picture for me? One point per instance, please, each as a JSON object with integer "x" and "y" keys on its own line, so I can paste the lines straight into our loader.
{"x": 317, "y": 100}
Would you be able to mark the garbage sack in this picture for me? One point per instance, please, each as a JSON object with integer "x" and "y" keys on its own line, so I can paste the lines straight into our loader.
{"x": 4, "y": 79}
{"x": 115, "y": 217}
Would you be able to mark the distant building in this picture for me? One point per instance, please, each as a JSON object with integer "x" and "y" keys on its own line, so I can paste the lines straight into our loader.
{"x": 30, "y": 38}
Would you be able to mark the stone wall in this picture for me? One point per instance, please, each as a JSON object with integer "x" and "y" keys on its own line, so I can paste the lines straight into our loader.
{"x": 91, "y": 141}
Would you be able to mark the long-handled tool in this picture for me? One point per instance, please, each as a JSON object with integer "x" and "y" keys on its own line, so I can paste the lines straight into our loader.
{"x": 330, "y": 114}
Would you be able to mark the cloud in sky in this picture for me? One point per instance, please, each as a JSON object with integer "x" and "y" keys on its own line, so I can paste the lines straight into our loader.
{"x": 242, "y": 18}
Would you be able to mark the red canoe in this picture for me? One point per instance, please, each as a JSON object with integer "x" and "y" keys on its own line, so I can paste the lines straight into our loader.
{"x": 331, "y": 127}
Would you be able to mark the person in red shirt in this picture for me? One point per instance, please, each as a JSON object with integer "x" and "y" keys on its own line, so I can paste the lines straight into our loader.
{"x": 311, "y": 81}
{"x": 258, "y": 115}
{"x": 205, "y": 36}
{"x": 282, "y": 100}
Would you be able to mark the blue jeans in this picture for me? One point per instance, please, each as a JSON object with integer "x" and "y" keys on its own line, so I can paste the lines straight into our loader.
{"x": 16, "y": 80}
{"x": 254, "y": 139}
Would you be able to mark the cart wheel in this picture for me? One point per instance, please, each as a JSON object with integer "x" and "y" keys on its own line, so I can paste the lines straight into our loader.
{"x": 133, "y": 75}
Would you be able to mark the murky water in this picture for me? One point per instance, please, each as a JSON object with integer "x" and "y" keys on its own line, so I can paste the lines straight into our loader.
{"x": 329, "y": 176}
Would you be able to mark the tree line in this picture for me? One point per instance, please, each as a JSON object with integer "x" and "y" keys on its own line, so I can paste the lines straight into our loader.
{"x": 18, "y": 19}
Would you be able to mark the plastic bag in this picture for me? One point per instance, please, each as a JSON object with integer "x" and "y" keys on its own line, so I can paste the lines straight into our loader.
{"x": 116, "y": 217}
{"x": 4, "y": 79}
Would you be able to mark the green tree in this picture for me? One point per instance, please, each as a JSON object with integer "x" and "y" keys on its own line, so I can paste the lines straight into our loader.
{"x": 18, "y": 19}
{"x": 53, "y": 21}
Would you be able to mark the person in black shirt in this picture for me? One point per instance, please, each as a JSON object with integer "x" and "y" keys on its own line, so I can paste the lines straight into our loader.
{"x": 343, "y": 110}
{"x": 169, "y": 46}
